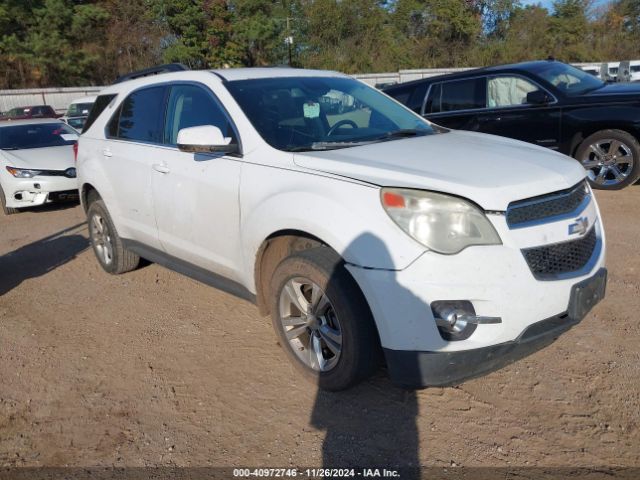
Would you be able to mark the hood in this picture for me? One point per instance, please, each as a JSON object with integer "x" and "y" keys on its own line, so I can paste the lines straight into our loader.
{"x": 489, "y": 170}
{"x": 46, "y": 158}
{"x": 622, "y": 88}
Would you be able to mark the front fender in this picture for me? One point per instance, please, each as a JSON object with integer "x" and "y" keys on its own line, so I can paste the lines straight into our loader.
{"x": 345, "y": 215}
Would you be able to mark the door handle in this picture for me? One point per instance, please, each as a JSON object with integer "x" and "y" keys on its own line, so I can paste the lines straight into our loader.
{"x": 487, "y": 118}
{"x": 107, "y": 152}
{"x": 160, "y": 168}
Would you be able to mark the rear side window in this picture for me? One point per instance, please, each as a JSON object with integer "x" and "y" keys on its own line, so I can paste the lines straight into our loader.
{"x": 464, "y": 94}
{"x": 141, "y": 116}
{"x": 401, "y": 94}
{"x": 193, "y": 106}
{"x": 434, "y": 100}
{"x": 416, "y": 99}
{"x": 98, "y": 107}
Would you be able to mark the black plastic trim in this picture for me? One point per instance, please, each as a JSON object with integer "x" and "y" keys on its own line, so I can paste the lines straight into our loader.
{"x": 190, "y": 270}
{"x": 415, "y": 369}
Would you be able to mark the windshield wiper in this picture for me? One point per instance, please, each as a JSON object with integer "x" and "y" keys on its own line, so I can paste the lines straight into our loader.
{"x": 403, "y": 133}
{"x": 335, "y": 145}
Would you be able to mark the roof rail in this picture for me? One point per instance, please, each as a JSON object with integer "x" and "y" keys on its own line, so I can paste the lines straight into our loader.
{"x": 169, "y": 67}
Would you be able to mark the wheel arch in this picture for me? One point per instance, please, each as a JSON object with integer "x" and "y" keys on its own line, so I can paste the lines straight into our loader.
{"x": 85, "y": 191}
{"x": 275, "y": 248}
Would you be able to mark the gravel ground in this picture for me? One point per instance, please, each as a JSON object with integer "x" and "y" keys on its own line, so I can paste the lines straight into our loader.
{"x": 154, "y": 369}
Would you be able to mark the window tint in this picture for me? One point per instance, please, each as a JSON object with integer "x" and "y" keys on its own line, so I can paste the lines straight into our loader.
{"x": 464, "y": 94}
{"x": 505, "y": 91}
{"x": 142, "y": 116}
{"x": 193, "y": 106}
{"x": 416, "y": 99}
{"x": 401, "y": 94}
{"x": 434, "y": 100}
{"x": 98, "y": 107}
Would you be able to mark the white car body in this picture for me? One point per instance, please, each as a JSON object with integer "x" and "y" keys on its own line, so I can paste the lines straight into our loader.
{"x": 52, "y": 162}
{"x": 216, "y": 216}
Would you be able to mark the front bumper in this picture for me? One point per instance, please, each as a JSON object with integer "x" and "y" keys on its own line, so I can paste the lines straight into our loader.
{"x": 421, "y": 369}
{"x": 31, "y": 192}
{"x": 496, "y": 280}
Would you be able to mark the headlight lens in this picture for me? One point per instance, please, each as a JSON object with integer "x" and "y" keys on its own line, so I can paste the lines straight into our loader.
{"x": 23, "y": 172}
{"x": 440, "y": 222}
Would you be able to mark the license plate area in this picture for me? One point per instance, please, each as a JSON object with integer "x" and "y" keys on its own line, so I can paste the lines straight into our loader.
{"x": 586, "y": 294}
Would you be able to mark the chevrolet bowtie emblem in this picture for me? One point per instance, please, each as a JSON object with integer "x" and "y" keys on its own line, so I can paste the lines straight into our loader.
{"x": 580, "y": 227}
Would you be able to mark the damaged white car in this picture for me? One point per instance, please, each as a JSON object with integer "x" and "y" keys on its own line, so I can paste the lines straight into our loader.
{"x": 37, "y": 163}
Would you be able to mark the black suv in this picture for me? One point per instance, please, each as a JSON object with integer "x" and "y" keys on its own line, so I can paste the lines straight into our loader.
{"x": 548, "y": 103}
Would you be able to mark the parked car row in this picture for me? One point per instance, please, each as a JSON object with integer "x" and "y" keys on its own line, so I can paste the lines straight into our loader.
{"x": 75, "y": 116}
{"x": 546, "y": 103}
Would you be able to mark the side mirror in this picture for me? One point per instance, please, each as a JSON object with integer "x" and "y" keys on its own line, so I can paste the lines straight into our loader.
{"x": 205, "y": 139}
{"x": 538, "y": 97}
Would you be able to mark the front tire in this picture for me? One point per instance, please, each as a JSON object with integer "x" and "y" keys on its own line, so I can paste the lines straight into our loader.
{"x": 6, "y": 210}
{"x": 611, "y": 159}
{"x": 106, "y": 243}
{"x": 322, "y": 319}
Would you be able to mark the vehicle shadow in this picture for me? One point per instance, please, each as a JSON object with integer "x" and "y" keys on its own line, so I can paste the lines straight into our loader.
{"x": 40, "y": 257}
{"x": 372, "y": 425}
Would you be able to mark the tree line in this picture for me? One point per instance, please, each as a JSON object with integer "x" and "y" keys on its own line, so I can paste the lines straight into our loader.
{"x": 90, "y": 42}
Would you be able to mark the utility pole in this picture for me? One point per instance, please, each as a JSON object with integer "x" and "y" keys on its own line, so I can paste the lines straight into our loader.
{"x": 289, "y": 39}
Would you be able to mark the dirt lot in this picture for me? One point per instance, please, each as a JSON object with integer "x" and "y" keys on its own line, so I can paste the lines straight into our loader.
{"x": 152, "y": 368}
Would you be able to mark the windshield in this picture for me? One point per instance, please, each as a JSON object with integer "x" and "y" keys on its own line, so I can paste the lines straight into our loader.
{"x": 321, "y": 113}
{"x": 79, "y": 109}
{"x": 18, "y": 137}
{"x": 569, "y": 80}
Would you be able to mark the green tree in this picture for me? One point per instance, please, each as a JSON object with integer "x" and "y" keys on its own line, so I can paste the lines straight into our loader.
{"x": 200, "y": 32}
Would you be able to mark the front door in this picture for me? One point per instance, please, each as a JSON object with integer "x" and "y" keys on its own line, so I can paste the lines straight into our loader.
{"x": 196, "y": 195}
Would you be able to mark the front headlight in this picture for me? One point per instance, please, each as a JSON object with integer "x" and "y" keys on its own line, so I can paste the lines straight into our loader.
{"x": 442, "y": 223}
{"x": 23, "y": 172}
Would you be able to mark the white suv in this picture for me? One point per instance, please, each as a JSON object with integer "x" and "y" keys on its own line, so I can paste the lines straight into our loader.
{"x": 361, "y": 228}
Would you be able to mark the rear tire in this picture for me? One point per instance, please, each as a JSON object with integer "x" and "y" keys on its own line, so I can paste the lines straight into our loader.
{"x": 611, "y": 159}
{"x": 106, "y": 243}
{"x": 334, "y": 341}
{"x": 6, "y": 210}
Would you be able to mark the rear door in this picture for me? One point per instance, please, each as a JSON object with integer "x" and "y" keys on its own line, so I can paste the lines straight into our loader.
{"x": 196, "y": 195}
{"x": 456, "y": 103}
{"x": 134, "y": 139}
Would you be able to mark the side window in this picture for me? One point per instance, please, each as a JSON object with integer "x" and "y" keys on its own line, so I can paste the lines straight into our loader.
{"x": 140, "y": 116}
{"x": 506, "y": 91}
{"x": 98, "y": 107}
{"x": 401, "y": 94}
{"x": 434, "y": 100}
{"x": 193, "y": 106}
{"x": 416, "y": 99}
{"x": 464, "y": 94}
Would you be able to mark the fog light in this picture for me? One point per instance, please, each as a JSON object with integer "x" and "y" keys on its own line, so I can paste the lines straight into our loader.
{"x": 457, "y": 319}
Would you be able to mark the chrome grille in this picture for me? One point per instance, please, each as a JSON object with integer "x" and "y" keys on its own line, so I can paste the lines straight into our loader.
{"x": 549, "y": 261}
{"x": 548, "y": 207}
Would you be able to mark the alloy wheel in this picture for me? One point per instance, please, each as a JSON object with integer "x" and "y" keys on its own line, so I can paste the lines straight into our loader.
{"x": 608, "y": 162}
{"x": 101, "y": 238}
{"x": 310, "y": 324}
